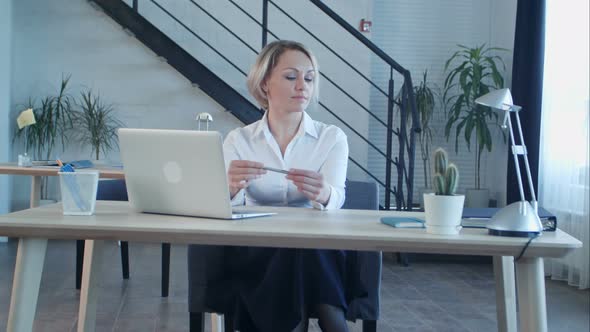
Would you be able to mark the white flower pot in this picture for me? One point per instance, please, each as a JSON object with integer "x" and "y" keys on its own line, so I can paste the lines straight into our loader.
{"x": 421, "y": 192}
{"x": 443, "y": 213}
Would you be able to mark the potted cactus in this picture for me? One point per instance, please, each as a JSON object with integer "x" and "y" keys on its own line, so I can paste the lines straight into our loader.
{"x": 444, "y": 208}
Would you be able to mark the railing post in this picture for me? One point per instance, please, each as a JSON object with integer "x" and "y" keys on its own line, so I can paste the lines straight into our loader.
{"x": 264, "y": 22}
{"x": 135, "y": 5}
{"x": 403, "y": 141}
{"x": 415, "y": 130}
{"x": 389, "y": 146}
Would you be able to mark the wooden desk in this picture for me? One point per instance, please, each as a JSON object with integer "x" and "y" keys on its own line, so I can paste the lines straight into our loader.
{"x": 37, "y": 172}
{"x": 503, "y": 265}
{"x": 298, "y": 228}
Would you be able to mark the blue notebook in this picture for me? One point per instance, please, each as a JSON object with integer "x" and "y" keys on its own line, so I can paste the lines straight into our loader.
{"x": 403, "y": 222}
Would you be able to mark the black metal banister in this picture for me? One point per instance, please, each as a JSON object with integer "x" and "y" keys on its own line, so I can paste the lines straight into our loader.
{"x": 329, "y": 48}
{"x": 264, "y": 27}
{"x": 354, "y": 131}
{"x": 406, "y": 104}
{"x": 370, "y": 174}
{"x": 264, "y": 21}
{"x": 199, "y": 37}
{"x": 224, "y": 26}
{"x": 354, "y": 100}
{"x": 358, "y": 36}
{"x": 267, "y": 31}
{"x": 388, "y": 140}
{"x": 264, "y": 40}
{"x": 416, "y": 129}
{"x": 244, "y": 73}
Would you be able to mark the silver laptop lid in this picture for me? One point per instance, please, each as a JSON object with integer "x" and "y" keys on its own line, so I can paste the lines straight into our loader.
{"x": 178, "y": 172}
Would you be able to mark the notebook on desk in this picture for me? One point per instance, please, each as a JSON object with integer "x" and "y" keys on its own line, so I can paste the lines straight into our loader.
{"x": 177, "y": 172}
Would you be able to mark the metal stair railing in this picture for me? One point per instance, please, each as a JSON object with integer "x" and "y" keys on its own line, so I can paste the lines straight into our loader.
{"x": 404, "y": 174}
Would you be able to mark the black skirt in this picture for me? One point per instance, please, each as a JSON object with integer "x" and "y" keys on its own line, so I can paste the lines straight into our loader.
{"x": 275, "y": 287}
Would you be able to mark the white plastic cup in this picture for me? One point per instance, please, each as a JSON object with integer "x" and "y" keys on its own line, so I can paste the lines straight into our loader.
{"x": 78, "y": 192}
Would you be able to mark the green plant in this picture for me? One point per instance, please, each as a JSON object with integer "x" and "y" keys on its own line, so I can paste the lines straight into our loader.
{"x": 96, "y": 124}
{"x": 474, "y": 75}
{"x": 425, "y": 103}
{"x": 446, "y": 176}
{"x": 53, "y": 121}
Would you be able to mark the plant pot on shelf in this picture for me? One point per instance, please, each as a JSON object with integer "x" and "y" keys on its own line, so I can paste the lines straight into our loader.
{"x": 477, "y": 198}
{"x": 443, "y": 213}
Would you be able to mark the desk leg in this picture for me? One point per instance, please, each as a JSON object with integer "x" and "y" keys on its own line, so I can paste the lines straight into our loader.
{"x": 90, "y": 282}
{"x": 25, "y": 286}
{"x": 505, "y": 293}
{"x": 35, "y": 191}
{"x": 530, "y": 277}
{"x": 216, "y": 323}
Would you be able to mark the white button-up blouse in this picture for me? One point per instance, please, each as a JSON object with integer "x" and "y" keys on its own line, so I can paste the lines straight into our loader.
{"x": 316, "y": 146}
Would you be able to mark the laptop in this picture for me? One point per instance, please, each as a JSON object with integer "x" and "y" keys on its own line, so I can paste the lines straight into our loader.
{"x": 178, "y": 172}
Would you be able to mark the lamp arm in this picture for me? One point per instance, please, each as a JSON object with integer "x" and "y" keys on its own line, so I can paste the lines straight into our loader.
{"x": 526, "y": 164}
{"x": 515, "y": 155}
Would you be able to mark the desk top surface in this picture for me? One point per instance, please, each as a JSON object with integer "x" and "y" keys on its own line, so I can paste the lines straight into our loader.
{"x": 13, "y": 168}
{"x": 290, "y": 227}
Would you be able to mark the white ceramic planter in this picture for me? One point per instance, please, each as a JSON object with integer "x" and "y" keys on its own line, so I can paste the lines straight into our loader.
{"x": 421, "y": 192}
{"x": 443, "y": 213}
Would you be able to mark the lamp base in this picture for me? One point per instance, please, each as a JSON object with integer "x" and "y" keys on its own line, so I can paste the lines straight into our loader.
{"x": 512, "y": 233}
{"x": 518, "y": 219}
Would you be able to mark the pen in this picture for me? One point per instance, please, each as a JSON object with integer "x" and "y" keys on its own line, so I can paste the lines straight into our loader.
{"x": 275, "y": 170}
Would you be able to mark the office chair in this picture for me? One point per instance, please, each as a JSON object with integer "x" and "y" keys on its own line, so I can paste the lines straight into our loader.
{"x": 115, "y": 190}
{"x": 206, "y": 268}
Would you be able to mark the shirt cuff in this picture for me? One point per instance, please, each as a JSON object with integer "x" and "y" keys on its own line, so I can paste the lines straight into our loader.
{"x": 238, "y": 198}
{"x": 318, "y": 206}
{"x": 333, "y": 201}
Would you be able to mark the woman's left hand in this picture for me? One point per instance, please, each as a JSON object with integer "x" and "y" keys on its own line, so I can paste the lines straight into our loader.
{"x": 311, "y": 184}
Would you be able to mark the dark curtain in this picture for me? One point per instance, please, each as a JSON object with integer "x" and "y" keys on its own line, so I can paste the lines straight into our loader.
{"x": 527, "y": 90}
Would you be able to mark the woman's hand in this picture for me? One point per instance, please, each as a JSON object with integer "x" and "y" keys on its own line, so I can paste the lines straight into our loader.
{"x": 241, "y": 172}
{"x": 311, "y": 184}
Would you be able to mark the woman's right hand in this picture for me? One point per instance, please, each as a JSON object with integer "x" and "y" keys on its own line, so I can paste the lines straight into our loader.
{"x": 241, "y": 172}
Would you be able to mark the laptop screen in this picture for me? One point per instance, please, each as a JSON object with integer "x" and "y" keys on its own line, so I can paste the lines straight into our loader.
{"x": 179, "y": 172}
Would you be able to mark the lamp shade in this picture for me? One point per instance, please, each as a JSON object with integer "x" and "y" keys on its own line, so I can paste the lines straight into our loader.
{"x": 500, "y": 99}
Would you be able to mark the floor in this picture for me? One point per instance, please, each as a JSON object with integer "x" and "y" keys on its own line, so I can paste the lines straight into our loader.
{"x": 426, "y": 296}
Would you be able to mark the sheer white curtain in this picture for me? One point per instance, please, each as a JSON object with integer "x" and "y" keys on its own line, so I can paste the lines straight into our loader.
{"x": 563, "y": 169}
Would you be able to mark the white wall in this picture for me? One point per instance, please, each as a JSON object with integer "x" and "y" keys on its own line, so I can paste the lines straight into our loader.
{"x": 71, "y": 37}
{"x": 503, "y": 22}
{"x": 5, "y": 72}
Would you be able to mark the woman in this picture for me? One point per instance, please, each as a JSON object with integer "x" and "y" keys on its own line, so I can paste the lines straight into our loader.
{"x": 279, "y": 287}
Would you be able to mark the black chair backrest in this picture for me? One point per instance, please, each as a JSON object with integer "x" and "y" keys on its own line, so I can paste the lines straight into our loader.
{"x": 361, "y": 195}
{"x": 112, "y": 190}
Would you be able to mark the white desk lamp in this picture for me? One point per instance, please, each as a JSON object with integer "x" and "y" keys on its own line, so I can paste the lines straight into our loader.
{"x": 519, "y": 219}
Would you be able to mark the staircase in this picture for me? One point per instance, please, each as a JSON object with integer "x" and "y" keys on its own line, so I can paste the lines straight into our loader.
{"x": 217, "y": 61}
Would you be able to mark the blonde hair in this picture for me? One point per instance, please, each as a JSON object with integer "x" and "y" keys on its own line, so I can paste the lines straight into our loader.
{"x": 267, "y": 60}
